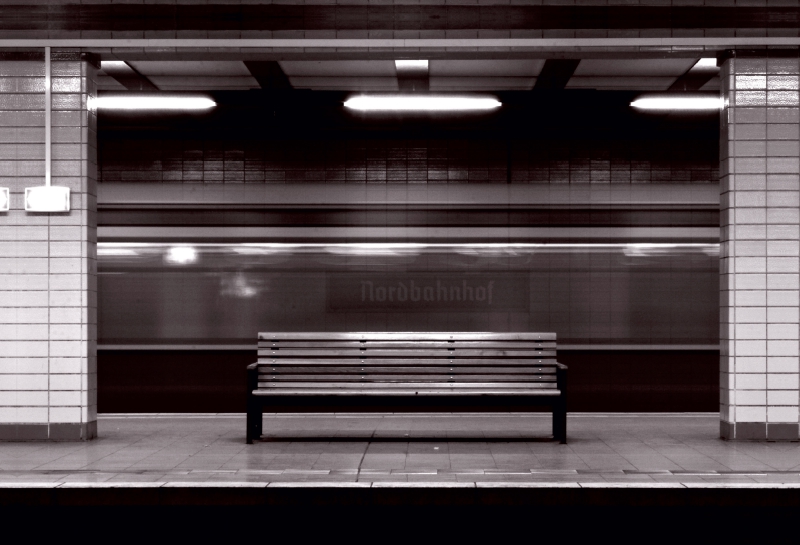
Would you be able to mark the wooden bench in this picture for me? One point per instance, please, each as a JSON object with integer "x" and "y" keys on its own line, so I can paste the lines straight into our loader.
{"x": 428, "y": 370}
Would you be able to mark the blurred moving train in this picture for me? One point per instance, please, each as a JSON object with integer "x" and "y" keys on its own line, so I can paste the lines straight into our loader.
{"x": 638, "y": 322}
{"x": 589, "y": 294}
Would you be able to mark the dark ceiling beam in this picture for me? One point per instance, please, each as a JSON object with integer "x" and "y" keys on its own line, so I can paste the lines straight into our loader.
{"x": 693, "y": 79}
{"x": 126, "y": 75}
{"x": 268, "y": 74}
{"x": 556, "y": 73}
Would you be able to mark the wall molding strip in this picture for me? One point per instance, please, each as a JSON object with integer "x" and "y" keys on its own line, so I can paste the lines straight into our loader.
{"x": 407, "y": 234}
{"x": 593, "y": 347}
{"x": 414, "y": 43}
{"x": 167, "y": 195}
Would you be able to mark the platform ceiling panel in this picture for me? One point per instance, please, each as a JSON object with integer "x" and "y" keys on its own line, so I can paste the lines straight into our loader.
{"x": 611, "y": 83}
{"x": 495, "y": 83}
{"x": 197, "y": 75}
{"x": 107, "y": 83}
{"x": 712, "y": 85}
{"x": 367, "y": 68}
{"x": 634, "y": 67}
{"x": 446, "y": 75}
{"x": 191, "y": 68}
{"x": 628, "y": 74}
{"x": 344, "y": 83}
{"x": 526, "y": 68}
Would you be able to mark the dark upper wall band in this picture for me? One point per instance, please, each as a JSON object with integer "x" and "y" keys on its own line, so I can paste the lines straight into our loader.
{"x": 155, "y": 17}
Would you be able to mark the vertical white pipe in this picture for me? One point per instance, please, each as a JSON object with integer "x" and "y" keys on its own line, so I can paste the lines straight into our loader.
{"x": 47, "y": 110}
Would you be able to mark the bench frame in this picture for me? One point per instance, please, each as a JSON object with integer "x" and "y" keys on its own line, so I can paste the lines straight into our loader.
{"x": 277, "y": 402}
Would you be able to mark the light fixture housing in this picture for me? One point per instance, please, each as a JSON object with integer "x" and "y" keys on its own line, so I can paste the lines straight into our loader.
{"x": 47, "y": 198}
{"x": 113, "y": 65}
{"x": 705, "y": 63}
{"x": 153, "y": 102}
{"x": 411, "y": 65}
{"x": 5, "y": 199}
{"x": 678, "y": 103}
{"x": 421, "y": 103}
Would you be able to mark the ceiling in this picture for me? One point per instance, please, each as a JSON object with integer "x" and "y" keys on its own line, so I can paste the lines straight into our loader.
{"x": 443, "y": 75}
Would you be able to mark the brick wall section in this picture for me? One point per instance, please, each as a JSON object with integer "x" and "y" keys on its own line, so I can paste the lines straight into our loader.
{"x": 760, "y": 267}
{"x": 408, "y": 161}
{"x": 48, "y": 298}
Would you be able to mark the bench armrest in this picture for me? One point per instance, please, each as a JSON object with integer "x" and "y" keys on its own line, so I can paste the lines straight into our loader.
{"x": 561, "y": 380}
{"x": 252, "y": 378}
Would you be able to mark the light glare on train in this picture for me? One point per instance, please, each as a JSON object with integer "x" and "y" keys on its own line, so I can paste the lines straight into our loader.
{"x": 181, "y": 255}
{"x": 187, "y": 254}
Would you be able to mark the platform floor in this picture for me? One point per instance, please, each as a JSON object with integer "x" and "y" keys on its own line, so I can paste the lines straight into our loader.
{"x": 604, "y": 450}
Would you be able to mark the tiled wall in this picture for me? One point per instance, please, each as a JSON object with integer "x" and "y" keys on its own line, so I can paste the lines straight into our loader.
{"x": 760, "y": 263}
{"x": 409, "y": 161}
{"x": 48, "y": 294}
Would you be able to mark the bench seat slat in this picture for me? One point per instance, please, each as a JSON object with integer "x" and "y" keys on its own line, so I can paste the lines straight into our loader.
{"x": 541, "y": 362}
{"x": 410, "y": 353}
{"x": 405, "y": 384}
{"x": 408, "y": 336}
{"x": 373, "y": 370}
{"x": 265, "y": 379}
{"x": 409, "y": 392}
{"x": 399, "y": 344}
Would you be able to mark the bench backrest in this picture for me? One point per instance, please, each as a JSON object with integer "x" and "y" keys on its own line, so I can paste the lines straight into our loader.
{"x": 386, "y": 360}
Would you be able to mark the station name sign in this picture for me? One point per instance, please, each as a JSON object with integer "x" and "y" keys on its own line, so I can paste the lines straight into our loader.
{"x": 427, "y": 292}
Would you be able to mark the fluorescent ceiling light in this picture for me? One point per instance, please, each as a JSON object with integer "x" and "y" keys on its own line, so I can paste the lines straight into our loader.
{"x": 415, "y": 65}
{"x": 421, "y": 103}
{"x": 5, "y": 199}
{"x": 154, "y": 102}
{"x": 678, "y": 103}
{"x": 47, "y": 198}
{"x": 705, "y": 64}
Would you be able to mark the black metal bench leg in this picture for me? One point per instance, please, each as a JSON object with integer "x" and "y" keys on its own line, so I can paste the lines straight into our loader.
{"x": 254, "y": 408}
{"x": 560, "y": 422}
{"x": 556, "y": 423}
{"x": 259, "y": 422}
{"x": 560, "y": 406}
{"x": 249, "y": 425}
{"x": 254, "y": 421}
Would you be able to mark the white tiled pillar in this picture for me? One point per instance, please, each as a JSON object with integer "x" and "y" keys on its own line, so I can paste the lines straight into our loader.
{"x": 760, "y": 247}
{"x": 48, "y": 285}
